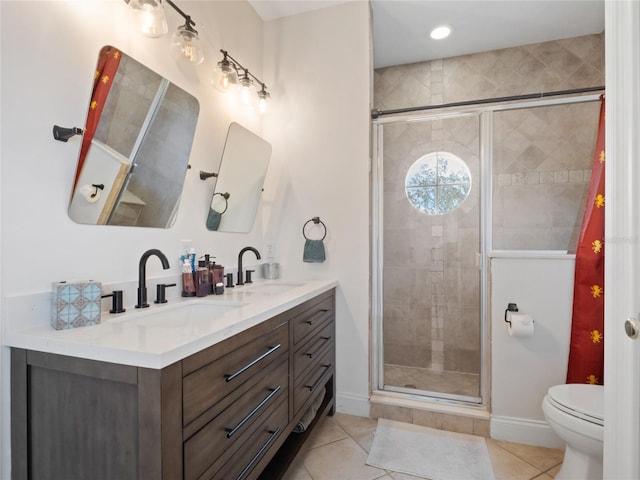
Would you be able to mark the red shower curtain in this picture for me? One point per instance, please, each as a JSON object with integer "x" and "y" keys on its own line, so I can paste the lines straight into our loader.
{"x": 108, "y": 62}
{"x": 586, "y": 351}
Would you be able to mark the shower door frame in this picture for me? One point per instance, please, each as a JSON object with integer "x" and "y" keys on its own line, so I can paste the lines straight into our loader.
{"x": 485, "y": 114}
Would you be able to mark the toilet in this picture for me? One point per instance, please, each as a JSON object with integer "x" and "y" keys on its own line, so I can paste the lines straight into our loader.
{"x": 575, "y": 413}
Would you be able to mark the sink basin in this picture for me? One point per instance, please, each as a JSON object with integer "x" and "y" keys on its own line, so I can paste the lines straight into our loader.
{"x": 180, "y": 313}
{"x": 272, "y": 288}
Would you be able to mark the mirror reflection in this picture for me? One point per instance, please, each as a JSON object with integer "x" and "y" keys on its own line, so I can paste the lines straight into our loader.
{"x": 135, "y": 148}
{"x": 240, "y": 180}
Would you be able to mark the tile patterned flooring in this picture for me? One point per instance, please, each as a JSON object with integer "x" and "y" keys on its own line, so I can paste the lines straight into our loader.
{"x": 338, "y": 450}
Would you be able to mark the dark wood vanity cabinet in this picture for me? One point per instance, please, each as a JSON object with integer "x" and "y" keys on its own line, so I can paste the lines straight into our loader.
{"x": 226, "y": 412}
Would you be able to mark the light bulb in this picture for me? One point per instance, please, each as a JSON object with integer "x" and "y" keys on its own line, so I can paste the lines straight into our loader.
{"x": 149, "y": 17}
{"x": 225, "y": 77}
{"x": 263, "y": 100}
{"x": 185, "y": 45}
{"x": 245, "y": 89}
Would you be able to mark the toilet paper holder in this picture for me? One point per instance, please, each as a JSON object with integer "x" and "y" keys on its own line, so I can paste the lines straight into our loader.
{"x": 511, "y": 307}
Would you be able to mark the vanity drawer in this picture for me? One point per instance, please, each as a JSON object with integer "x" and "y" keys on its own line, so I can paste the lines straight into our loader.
{"x": 240, "y": 419}
{"x": 312, "y": 318}
{"x": 206, "y": 386}
{"x": 313, "y": 380}
{"x": 309, "y": 353}
{"x": 253, "y": 447}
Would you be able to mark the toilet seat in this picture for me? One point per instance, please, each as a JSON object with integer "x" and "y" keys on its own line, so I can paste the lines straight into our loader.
{"x": 582, "y": 401}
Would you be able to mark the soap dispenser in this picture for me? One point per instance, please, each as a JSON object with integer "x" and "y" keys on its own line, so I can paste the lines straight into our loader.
{"x": 210, "y": 266}
{"x": 203, "y": 281}
{"x": 270, "y": 269}
{"x": 218, "y": 275}
{"x": 188, "y": 284}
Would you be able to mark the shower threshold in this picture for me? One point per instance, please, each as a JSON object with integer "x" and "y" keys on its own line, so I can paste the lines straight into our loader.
{"x": 444, "y": 414}
{"x": 433, "y": 383}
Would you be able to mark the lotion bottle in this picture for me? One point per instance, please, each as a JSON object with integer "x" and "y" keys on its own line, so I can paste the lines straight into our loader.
{"x": 203, "y": 282}
{"x": 188, "y": 284}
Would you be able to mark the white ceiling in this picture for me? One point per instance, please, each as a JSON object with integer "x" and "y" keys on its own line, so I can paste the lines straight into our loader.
{"x": 401, "y": 27}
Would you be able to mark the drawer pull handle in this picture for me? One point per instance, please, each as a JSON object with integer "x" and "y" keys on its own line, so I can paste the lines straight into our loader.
{"x": 318, "y": 315}
{"x": 324, "y": 339}
{"x": 247, "y": 469}
{"x": 230, "y": 377}
{"x": 231, "y": 431}
{"x": 317, "y": 382}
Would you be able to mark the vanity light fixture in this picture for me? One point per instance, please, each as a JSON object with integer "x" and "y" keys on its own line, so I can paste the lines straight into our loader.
{"x": 152, "y": 22}
{"x": 245, "y": 88}
{"x": 185, "y": 43}
{"x": 225, "y": 76}
{"x": 263, "y": 99}
{"x": 149, "y": 17}
{"x": 230, "y": 75}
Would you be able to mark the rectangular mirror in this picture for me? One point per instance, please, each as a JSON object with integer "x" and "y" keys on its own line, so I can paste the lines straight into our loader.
{"x": 240, "y": 180}
{"x": 135, "y": 147}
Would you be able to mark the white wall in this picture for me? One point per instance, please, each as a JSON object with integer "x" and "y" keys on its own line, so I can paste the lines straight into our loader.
{"x": 319, "y": 66}
{"x": 523, "y": 368}
{"x": 48, "y": 53}
{"x": 319, "y": 131}
{"x": 47, "y": 80}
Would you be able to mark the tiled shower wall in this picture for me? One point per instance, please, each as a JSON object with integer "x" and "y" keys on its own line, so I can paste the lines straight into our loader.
{"x": 541, "y": 67}
{"x": 431, "y": 281}
{"x": 542, "y": 161}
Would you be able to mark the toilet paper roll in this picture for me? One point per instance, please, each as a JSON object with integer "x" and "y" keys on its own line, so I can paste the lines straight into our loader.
{"x": 521, "y": 325}
{"x": 90, "y": 193}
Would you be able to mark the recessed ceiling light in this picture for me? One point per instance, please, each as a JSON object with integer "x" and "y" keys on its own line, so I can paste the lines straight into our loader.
{"x": 440, "y": 32}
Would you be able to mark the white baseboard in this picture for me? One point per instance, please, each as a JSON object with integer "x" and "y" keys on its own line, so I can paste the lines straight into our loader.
{"x": 521, "y": 430}
{"x": 352, "y": 404}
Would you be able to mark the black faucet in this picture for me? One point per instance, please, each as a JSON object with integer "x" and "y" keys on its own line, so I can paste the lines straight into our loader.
{"x": 142, "y": 274}
{"x": 240, "y": 272}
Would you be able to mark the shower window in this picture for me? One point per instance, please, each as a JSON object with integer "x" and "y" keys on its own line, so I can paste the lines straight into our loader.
{"x": 438, "y": 183}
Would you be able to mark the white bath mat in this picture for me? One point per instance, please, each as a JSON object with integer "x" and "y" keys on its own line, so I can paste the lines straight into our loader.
{"x": 429, "y": 453}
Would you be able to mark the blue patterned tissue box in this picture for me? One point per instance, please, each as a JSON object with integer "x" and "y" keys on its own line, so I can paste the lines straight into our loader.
{"x": 76, "y": 304}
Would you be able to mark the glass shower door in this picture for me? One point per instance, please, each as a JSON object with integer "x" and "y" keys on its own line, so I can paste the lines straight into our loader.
{"x": 431, "y": 307}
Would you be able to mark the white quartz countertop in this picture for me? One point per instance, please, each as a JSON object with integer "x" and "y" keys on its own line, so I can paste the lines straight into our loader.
{"x": 160, "y": 335}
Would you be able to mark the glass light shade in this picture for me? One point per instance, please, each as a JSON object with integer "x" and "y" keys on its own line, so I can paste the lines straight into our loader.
{"x": 185, "y": 45}
{"x": 263, "y": 101}
{"x": 149, "y": 17}
{"x": 246, "y": 92}
{"x": 225, "y": 76}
